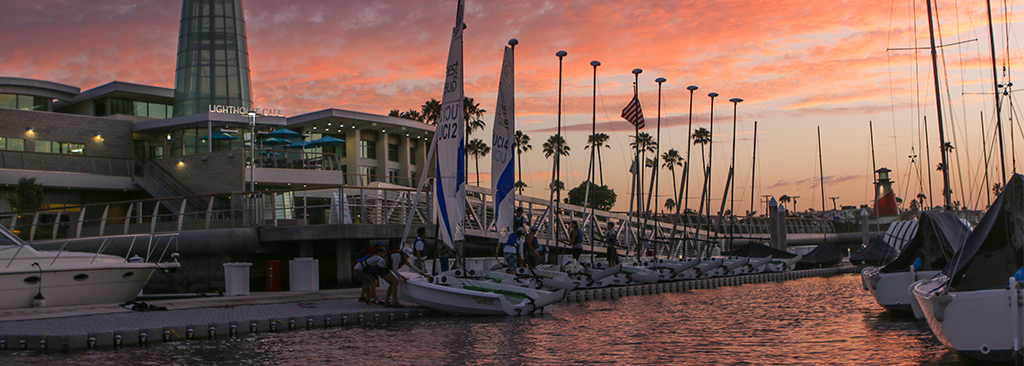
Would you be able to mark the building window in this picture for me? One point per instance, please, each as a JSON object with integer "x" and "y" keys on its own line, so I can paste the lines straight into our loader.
{"x": 12, "y": 143}
{"x": 412, "y": 155}
{"x": 57, "y": 147}
{"x": 392, "y": 152}
{"x": 368, "y": 174}
{"x": 367, "y": 149}
{"x": 131, "y": 108}
{"x": 25, "y": 102}
{"x": 393, "y": 176}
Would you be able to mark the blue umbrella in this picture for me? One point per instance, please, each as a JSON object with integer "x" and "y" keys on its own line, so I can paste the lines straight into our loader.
{"x": 325, "y": 141}
{"x": 284, "y": 132}
{"x": 219, "y": 136}
{"x": 297, "y": 145}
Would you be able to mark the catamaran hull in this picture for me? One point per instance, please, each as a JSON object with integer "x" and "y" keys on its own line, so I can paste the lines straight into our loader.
{"x": 453, "y": 298}
{"x": 892, "y": 290}
{"x": 74, "y": 285}
{"x": 982, "y": 325}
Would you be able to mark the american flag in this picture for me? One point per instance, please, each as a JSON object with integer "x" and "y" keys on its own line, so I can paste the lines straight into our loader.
{"x": 633, "y": 113}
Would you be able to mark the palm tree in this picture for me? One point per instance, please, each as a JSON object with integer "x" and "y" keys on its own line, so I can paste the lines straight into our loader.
{"x": 431, "y": 111}
{"x": 522, "y": 144}
{"x": 520, "y": 186}
{"x": 474, "y": 115}
{"x": 670, "y": 204}
{"x": 477, "y": 148}
{"x": 395, "y": 113}
{"x": 646, "y": 142}
{"x": 555, "y": 143}
{"x": 672, "y": 159}
{"x": 600, "y": 141}
{"x": 784, "y": 199}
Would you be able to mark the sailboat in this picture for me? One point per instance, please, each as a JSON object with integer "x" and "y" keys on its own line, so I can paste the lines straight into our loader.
{"x": 974, "y": 305}
{"x": 939, "y": 235}
{"x": 460, "y": 295}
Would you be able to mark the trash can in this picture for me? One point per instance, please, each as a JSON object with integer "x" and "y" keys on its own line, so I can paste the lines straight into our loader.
{"x": 236, "y": 278}
{"x": 304, "y": 274}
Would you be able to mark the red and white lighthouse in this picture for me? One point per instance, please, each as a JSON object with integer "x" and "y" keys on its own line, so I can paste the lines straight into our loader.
{"x": 885, "y": 199}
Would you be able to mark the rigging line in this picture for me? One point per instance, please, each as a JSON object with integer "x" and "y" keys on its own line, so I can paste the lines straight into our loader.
{"x": 957, "y": 43}
{"x": 966, "y": 149}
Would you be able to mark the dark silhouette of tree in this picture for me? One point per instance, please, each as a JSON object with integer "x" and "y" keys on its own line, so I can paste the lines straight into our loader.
{"x": 601, "y": 197}
{"x": 600, "y": 141}
{"x": 522, "y": 144}
{"x": 477, "y": 148}
{"x": 27, "y": 195}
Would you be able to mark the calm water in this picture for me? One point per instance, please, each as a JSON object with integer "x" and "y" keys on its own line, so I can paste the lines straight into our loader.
{"x": 808, "y": 321}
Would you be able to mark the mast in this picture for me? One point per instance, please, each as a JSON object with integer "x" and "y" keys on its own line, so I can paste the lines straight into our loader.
{"x": 821, "y": 169}
{"x": 995, "y": 84}
{"x": 984, "y": 152}
{"x": 654, "y": 172}
{"x": 938, "y": 107}
{"x": 871, "y": 131}
{"x": 593, "y": 150}
{"x": 451, "y": 158}
{"x": 753, "y": 171}
{"x": 503, "y": 150}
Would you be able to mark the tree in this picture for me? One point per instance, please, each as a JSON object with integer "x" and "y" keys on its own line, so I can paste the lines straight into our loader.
{"x": 647, "y": 143}
{"x": 996, "y": 188}
{"x": 670, "y": 204}
{"x": 474, "y": 115}
{"x": 670, "y": 160}
{"x": 600, "y": 141}
{"x": 520, "y": 186}
{"x": 27, "y": 195}
{"x": 409, "y": 114}
{"x": 601, "y": 197}
{"x": 431, "y": 111}
{"x": 522, "y": 144}
{"x": 477, "y": 148}
{"x": 784, "y": 199}
{"x": 557, "y": 185}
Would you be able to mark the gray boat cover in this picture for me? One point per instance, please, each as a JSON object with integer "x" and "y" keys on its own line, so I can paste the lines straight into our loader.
{"x": 875, "y": 254}
{"x": 825, "y": 255}
{"x": 992, "y": 253}
{"x": 940, "y": 234}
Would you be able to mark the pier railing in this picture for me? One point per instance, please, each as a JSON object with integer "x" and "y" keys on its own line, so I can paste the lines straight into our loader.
{"x": 387, "y": 204}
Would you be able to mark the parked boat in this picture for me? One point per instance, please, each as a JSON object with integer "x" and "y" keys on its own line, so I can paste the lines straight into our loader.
{"x": 30, "y": 277}
{"x": 463, "y": 296}
{"x": 877, "y": 253}
{"x": 939, "y": 235}
{"x": 825, "y": 255}
{"x": 974, "y": 305}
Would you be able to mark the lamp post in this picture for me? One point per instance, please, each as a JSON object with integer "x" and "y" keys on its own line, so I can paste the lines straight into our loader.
{"x": 652, "y": 193}
{"x": 732, "y": 171}
{"x": 555, "y": 178}
{"x": 252, "y": 152}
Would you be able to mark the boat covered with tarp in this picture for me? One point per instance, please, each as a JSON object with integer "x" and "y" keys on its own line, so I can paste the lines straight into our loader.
{"x": 875, "y": 254}
{"x": 825, "y": 255}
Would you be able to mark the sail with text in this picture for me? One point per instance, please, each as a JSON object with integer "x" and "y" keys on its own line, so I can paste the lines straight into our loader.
{"x": 450, "y": 190}
{"x": 502, "y": 149}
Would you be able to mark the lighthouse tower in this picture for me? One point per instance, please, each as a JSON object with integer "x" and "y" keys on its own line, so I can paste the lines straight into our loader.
{"x": 885, "y": 199}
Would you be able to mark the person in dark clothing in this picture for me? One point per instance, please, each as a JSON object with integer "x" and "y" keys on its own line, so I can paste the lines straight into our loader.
{"x": 612, "y": 241}
{"x": 576, "y": 239}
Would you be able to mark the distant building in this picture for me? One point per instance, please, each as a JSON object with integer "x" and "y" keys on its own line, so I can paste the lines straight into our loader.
{"x": 123, "y": 141}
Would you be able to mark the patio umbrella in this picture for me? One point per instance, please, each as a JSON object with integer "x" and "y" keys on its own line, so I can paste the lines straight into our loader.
{"x": 275, "y": 141}
{"x": 284, "y": 132}
{"x": 297, "y": 145}
{"x": 325, "y": 141}
{"x": 219, "y": 136}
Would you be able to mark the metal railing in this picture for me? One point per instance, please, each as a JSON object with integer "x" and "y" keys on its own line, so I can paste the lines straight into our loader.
{"x": 68, "y": 163}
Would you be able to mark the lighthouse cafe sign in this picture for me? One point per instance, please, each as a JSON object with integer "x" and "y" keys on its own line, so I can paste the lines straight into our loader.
{"x": 230, "y": 109}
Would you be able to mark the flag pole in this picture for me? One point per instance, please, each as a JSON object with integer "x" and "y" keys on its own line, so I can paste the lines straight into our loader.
{"x": 639, "y": 170}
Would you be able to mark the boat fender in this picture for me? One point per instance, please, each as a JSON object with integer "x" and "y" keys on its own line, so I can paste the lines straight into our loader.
{"x": 874, "y": 280}
{"x": 940, "y": 302}
{"x": 472, "y": 273}
{"x": 458, "y": 273}
{"x": 442, "y": 280}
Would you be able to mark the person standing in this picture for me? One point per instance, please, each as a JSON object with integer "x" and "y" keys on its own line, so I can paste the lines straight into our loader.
{"x": 532, "y": 250}
{"x": 576, "y": 239}
{"x": 419, "y": 247}
{"x": 520, "y": 221}
{"x": 443, "y": 256}
{"x": 511, "y": 249}
{"x": 612, "y": 241}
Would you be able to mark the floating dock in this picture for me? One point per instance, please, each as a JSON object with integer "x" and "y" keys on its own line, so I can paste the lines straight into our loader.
{"x": 208, "y": 318}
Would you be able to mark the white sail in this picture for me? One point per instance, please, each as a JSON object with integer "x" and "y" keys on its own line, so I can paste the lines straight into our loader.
{"x": 450, "y": 190}
{"x": 503, "y": 151}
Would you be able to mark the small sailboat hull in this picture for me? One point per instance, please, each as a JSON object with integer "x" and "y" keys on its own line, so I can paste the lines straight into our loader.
{"x": 981, "y": 324}
{"x": 473, "y": 297}
{"x": 892, "y": 290}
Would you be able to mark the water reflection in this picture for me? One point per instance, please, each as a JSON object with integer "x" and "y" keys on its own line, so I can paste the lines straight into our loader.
{"x": 813, "y": 321}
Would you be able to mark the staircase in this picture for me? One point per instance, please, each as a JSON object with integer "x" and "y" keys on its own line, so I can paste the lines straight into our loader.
{"x": 160, "y": 184}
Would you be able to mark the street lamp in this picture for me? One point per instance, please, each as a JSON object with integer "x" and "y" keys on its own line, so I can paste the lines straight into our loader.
{"x": 556, "y": 193}
{"x": 252, "y": 152}
{"x": 689, "y": 144}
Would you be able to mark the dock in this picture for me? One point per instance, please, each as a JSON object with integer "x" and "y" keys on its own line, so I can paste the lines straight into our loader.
{"x": 110, "y": 326}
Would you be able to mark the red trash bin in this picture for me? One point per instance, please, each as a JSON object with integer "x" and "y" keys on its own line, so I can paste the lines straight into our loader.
{"x": 273, "y": 276}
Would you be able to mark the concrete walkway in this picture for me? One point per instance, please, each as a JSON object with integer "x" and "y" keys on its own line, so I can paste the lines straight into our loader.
{"x": 110, "y": 325}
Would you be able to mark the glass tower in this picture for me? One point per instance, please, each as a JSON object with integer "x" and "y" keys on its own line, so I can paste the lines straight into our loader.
{"x": 213, "y": 60}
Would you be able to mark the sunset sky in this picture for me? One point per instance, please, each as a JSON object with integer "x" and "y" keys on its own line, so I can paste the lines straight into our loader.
{"x": 797, "y": 64}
